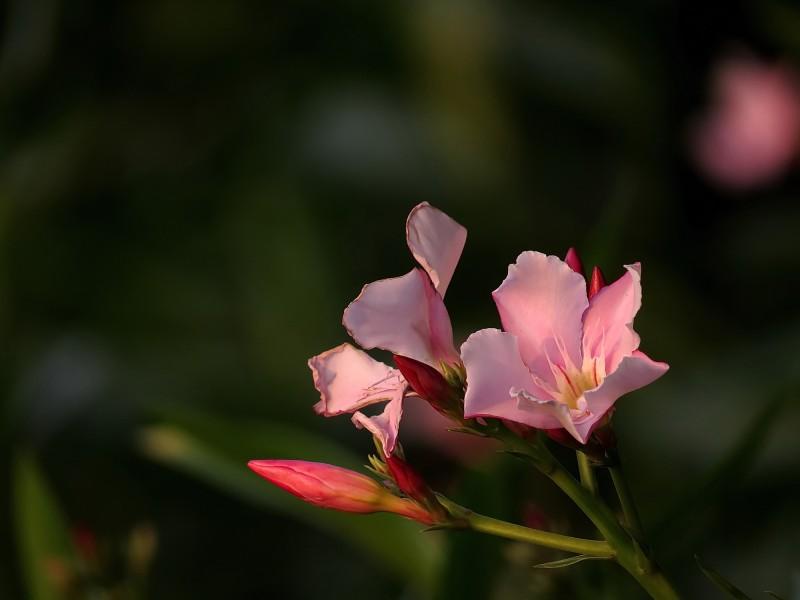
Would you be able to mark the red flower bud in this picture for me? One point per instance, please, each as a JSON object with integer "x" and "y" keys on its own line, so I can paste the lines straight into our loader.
{"x": 574, "y": 261}
{"x": 407, "y": 479}
{"x": 427, "y": 382}
{"x": 596, "y": 282}
{"x": 328, "y": 486}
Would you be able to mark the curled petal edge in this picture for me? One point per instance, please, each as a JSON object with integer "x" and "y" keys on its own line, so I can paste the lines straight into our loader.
{"x": 436, "y": 241}
{"x": 384, "y": 426}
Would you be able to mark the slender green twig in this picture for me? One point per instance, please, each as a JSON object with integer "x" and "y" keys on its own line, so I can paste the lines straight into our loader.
{"x": 629, "y": 552}
{"x": 586, "y": 471}
{"x": 629, "y": 511}
{"x": 477, "y": 522}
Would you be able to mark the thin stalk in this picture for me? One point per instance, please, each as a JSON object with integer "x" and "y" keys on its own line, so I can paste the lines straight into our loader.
{"x": 629, "y": 553}
{"x": 542, "y": 538}
{"x": 586, "y": 471}
{"x": 477, "y": 522}
{"x": 629, "y": 511}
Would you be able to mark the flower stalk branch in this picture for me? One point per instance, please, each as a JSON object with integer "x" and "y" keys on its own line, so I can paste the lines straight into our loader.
{"x": 586, "y": 472}
{"x": 629, "y": 552}
{"x": 626, "y": 502}
{"x": 466, "y": 518}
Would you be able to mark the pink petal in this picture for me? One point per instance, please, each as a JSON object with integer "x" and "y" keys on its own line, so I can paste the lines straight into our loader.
{"x": 549, "y": 414}
{"x": 436, "y": 241}
{"x": 405, "y": 316}
{"x": 633, "y": 372}
{"x": 383, "y": 426}
{"x": 608, "y": 322}
{"x": 495, "y": 368}
{"x": 541, "y": 301}
{"x": 349, "y": 379}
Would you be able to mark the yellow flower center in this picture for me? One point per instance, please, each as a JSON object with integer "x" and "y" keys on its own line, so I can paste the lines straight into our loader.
{"x": 570, "y": 381}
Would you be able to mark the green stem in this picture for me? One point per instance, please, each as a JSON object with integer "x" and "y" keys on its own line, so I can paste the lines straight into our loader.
{"x": 629, "y": 553}
{"x": 586, "y": 471}
{"x": 477, "y": 522}
{"x": 626, "y": 502}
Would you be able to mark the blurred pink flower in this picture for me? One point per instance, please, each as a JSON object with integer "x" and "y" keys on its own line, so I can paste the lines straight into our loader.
{"x": 563, "y": 359}
{"x": 404, "y": 315}
{"x": 751, "y": 132}
{"x": 427, "y": 427}
{"x": 329, "y": 486}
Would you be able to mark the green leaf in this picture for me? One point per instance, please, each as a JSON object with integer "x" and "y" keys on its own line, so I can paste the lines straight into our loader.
{"x": 42, "y": 534}
{"x": 255, "y": 439}
{"x": 569, "y": 561}
{"x": 722, "y": 583}
{"x": 216, "y": 451}
{"x": 773, "y": 594}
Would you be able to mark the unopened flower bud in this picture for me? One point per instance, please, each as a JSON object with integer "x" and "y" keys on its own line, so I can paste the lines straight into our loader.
{"x": 407, "y": 479}
{"x": 428, "y": 383}
{"x": 329, "y": 486}
{"x": 573, "y": 260}
{"x": 596, "y": 282}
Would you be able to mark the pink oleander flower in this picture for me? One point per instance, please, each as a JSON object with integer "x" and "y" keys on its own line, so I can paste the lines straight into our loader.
{"x": 564, "y": 358}
{"x": 329, "y": 486}
{"x": 404, "y": 315}
{"x": 751, "y": 132}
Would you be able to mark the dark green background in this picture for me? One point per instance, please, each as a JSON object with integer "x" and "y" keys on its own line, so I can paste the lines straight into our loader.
{"x": 191, "y": 192}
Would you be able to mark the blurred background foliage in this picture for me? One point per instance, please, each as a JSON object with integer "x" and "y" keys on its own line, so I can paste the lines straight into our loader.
{"x": 191, "y": 192}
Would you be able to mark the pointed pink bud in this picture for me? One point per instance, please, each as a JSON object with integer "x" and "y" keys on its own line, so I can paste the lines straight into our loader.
{"x": 329, "y": 486}
{"x": 574, "y": 261}
{"x": 428, "y": 383}
{"x": 596, "y": 283}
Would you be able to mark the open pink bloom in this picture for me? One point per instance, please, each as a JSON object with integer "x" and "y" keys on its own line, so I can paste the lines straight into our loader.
{"x": 751, "y": 133}
{"x": 563, "y": 359}
{"x": 329, "y": 486}
{"x": 404, "y": 315}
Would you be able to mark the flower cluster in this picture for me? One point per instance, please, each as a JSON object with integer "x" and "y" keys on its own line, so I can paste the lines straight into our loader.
{"x": 567, "y": 351}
